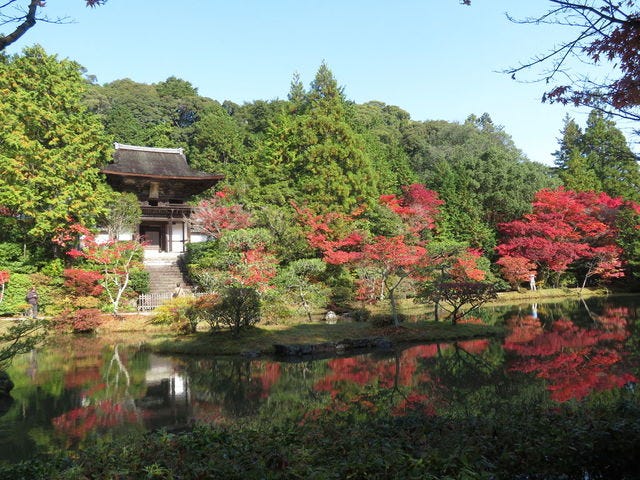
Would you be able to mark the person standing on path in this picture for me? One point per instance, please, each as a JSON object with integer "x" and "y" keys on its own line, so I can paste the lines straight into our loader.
{"x": 32, "y": 300}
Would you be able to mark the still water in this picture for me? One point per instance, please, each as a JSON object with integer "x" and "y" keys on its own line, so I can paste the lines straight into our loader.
{"x": 76, "y": 389}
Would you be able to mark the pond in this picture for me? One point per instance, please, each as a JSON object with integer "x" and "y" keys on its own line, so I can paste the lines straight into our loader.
{"x": 76, "y": 389}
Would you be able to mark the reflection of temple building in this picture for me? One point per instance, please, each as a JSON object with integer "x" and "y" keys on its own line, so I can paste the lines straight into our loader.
{"x": 163, "y": 183}
{"x": 167, "y": 401}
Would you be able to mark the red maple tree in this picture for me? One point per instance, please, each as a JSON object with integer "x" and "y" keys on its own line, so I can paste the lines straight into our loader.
{"x": 114, "y": 259}
{"x": 256, "y": 268}
{"x": 218, "y": 214}
{"x": 516, "y": 270}
{"x": 567, "y": 229}
{"x": 384, "y": 261}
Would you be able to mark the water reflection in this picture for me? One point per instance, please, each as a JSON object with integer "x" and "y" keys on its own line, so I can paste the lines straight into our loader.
{"x": 573, "y": 360}
{"x": 76, "y": 389}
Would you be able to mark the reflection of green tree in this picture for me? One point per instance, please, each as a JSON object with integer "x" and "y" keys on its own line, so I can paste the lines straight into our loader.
{"x": 226, "y": 383}
{"x": 293, "y": 395}
{"x": 70, "y": 372}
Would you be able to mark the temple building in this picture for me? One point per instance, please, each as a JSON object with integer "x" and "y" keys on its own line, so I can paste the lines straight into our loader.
{"x": 163, "y": 182}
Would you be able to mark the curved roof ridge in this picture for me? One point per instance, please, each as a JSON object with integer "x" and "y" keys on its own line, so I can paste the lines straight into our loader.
{"x": 124, "y": 146}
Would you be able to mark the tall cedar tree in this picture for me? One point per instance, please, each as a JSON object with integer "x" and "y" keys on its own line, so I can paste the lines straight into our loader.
{"x": 51, "y": 148}
{"x": 572, "y": 166}
{"x": 607, "y": 153}
{"x": 313, "y": 155}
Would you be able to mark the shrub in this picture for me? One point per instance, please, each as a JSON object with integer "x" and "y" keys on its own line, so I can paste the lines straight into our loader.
{"x": 86, "y": 302}
{"x": 239, "y": 307}
{"x": 13, "y": 302}
{"x": 14, "y": 258}
{"x": 139, "y": 281}
{"x": 174, "y": 314}
{"x": 384, "y": 319}
{"x": 202, "y": 309}
{"x": 360, "y": 315}
{"x": 53, "y": 269}
{"x": 275, "y": 310}
{"x": 83, "y": 320}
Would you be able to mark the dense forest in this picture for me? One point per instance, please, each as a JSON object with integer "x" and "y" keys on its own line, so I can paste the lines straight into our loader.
{"x": 339, "y": 200}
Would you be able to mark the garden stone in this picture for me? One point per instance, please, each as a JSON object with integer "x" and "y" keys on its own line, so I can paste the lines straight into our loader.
{"x": 331, "y": 318}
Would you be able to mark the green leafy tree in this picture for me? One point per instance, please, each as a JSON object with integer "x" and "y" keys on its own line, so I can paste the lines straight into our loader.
{"x": 598, "y": 160}
{"x": 123, "y": 215}
{"x": 381, "y": 127}
{"x": 51, "y": 148}
{"x": 570, "y": 141}
{"x": 609, "y": 156}
{"x": 579, "y": 175}
{"x": 301, "y": 281}
{"x": 217, "y": 144}
{"x": 238, "y": 308}
{"x": 129, "y": 110}
{"x": 629, "y": 237}
{"x": 478, "y": 172}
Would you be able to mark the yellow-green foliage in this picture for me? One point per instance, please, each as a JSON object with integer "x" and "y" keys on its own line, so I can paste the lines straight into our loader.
{"x": 87, "y": 302}
{"x": 174, "y": 313}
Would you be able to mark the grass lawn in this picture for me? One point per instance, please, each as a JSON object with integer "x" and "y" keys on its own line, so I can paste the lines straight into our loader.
{"x": 259, "y": 340}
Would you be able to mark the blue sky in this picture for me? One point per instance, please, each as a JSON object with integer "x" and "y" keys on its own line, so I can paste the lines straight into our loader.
{"x": 436, "y": 59}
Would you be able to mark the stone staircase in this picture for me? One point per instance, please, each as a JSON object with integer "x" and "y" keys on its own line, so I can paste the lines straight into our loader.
{"x": 164, "y": 271}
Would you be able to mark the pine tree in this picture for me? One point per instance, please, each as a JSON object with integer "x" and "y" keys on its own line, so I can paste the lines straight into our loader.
{"x": 578, "y": 175}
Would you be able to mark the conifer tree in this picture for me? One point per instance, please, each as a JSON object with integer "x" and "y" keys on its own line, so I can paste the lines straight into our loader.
{"x": 51, "y": 148}
{"x": 610, "y": 157}
{"x": 570, "y": 141}
{"x": 598, "y": 160}
{"x": 313, "y": 154}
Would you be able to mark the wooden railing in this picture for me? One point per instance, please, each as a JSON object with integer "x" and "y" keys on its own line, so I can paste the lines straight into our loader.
{"x": 149, "y": 301}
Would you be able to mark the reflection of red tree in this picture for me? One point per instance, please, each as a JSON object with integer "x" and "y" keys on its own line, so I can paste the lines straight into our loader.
{"x": 415, "y": 402}
{"x": 264, "y": 375}
{"x": 369, "y": 371}
{"x": 523, "y": 329}
{"x": 574, "y": 361}
{"x": 82, "y": 376}
{"x": 79, "y": 422}
{"x": 474, "y": 346}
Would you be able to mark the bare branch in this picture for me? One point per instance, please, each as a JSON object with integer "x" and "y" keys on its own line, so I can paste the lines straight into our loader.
{"x": 29, "y": 18}
{"x": 28, "y": 21}
{"x": 607, "y": 35}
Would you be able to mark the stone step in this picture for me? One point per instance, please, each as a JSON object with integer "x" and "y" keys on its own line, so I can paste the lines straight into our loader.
{"x": 164, "y": 272}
